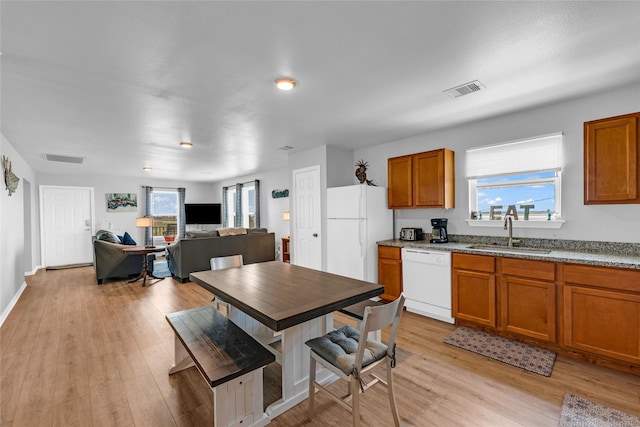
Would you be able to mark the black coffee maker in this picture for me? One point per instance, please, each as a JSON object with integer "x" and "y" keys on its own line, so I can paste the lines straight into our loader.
{"x": 439, "y": 230}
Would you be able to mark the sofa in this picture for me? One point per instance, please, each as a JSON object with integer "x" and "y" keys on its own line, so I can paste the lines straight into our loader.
{"x": 110, "y": 262}
{"x": 194, "y": 253}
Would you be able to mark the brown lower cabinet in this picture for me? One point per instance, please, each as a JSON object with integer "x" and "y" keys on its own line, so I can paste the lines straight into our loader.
{"x": 474, "y": 288}
{"x": 602, "y": 311}
{"x": 586, "y": 312}
{"x": 390, "y": 271}
{"x": 528, "y": 298}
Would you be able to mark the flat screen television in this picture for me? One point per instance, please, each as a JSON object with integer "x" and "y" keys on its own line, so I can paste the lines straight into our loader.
{"x": 203, "y": 213}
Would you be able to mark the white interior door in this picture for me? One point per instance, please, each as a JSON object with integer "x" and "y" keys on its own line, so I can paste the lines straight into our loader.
{"x": 306, "y": 249}
{"x": 66, "y": 224}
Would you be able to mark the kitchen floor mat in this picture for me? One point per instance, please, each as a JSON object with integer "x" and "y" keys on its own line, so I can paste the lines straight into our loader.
{"x": 580, "y": 412}
{"x": 525, "y": 356}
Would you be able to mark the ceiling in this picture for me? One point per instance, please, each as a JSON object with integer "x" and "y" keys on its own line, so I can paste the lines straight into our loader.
{"x": 121, "y": 83}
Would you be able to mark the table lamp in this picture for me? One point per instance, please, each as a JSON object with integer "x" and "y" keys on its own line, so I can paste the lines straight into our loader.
{"x": 144, "y": 222}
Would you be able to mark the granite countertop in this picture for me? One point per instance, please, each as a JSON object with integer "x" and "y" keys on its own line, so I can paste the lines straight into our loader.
{"x": 576, "y": 252}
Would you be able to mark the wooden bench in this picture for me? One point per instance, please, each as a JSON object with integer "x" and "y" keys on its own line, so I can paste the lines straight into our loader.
{"x": 357, "y": 312}
{"x": 229, "y": 360}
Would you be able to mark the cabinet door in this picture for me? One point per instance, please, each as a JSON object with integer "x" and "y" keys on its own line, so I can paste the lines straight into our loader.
{"x": 390, "y": 276}
{"x": 528, "y": 307}
{"x": 474, "y": 297}
{"x": 400, "y": 187}
{"x": 611, "y": 160}
{"x": 428, "y": 179}
{"x": 602, "y": 322}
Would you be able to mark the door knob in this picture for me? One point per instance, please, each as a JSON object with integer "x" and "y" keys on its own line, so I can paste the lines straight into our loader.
{"x": 315, "y": 234}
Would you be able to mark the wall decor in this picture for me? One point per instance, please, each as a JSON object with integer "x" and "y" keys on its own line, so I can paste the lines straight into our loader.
{"x": 278, "y": 194}
{"x": 122, "y": 202}
{"x": 361, "y": 172}
{"x": 10, "y": 179}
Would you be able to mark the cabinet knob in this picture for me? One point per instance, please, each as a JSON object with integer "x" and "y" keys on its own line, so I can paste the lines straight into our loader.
{"x": 315, "y": 234}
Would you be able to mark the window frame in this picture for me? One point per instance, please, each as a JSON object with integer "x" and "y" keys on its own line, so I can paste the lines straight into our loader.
{"x": 494, "y": 153}
{"x": 154, "y": 215}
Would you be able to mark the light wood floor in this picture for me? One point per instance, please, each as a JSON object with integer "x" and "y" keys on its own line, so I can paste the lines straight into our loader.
{"x": 77, "y": 354}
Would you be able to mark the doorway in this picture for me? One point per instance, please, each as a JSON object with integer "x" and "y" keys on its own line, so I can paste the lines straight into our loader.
{"x": 28, "y": 241}
{"x": 306, "y": 248}
{"x": 66, "y": 224}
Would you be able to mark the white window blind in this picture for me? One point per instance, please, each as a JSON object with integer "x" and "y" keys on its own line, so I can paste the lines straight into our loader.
{"x": 543, "y": 153}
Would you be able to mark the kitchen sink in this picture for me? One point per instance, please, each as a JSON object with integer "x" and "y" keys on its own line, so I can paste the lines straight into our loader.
{"x": 515, "y": 249}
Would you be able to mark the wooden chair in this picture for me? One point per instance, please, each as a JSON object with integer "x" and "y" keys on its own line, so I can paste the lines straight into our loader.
{"x": 356, "y": 311}
{"x": 351, "y": 358}
{"x": 220, "y": 263}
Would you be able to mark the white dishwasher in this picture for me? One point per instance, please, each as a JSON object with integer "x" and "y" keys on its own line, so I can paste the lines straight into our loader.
{"x": 426, "y": 282}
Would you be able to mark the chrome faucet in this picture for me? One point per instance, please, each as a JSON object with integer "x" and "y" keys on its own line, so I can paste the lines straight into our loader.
{"x": 508, "y": 225}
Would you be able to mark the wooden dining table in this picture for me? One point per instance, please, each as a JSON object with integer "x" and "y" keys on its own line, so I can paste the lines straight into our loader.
{"x": 281, "y": 301}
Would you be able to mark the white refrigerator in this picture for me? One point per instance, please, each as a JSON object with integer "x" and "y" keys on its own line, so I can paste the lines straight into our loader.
{"x": 357, "y": 218}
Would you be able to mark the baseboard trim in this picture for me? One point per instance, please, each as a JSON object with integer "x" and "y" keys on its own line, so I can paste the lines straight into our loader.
{"x": 12, "y": 303}
{"x": 34, "y": 271}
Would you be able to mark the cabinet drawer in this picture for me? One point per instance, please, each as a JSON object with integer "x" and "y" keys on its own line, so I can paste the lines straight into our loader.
{"x": 474, "y": 262}
{"x": 543, "y": 270}
{"x": 611, "y": 278}
{"x": 390, "y": 252}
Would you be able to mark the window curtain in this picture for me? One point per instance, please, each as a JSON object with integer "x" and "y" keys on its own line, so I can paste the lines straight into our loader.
{"x": 182, "y": 225}
{"x": 239, "y": 213}
{"x": 225, "y": 214}
{"x": 543, "y": 153}
{"x": 257, "y": 202}
{"x": 148, "y": 238}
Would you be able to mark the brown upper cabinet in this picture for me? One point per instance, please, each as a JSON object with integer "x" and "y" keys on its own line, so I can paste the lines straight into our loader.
{"x": 422, "y": 180}
{"x": 612, "y": 160}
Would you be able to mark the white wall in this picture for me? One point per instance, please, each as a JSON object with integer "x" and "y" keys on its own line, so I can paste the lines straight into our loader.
{"x": 195, "y": 192}
{"x": 13, "y": 248}
{"x": 613, "y": 223}
{"x": 271, "y": 209}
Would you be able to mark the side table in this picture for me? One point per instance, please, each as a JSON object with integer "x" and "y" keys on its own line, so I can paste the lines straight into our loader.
{"x": 144, "y": 251}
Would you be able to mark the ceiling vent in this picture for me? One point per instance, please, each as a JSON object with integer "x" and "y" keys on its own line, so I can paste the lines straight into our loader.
{"x": 465, "y": 89}
{"x": 64, "y": 159}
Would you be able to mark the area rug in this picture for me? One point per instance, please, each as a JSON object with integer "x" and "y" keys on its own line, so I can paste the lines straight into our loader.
{"x": 579, "y": 412}
{"x": 161, "y": 269}
{"x": 528, "y": 357}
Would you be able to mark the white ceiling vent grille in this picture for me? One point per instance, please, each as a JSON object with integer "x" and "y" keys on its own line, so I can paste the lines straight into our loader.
{"x": 465, "y": 89}
{"x": 63, "y": 159}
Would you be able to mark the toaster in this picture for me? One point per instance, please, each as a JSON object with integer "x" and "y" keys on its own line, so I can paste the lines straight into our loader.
{"x": 411, "y": 234}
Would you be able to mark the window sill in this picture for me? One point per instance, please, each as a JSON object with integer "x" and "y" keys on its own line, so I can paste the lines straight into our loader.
{"x": 556, "y": 223}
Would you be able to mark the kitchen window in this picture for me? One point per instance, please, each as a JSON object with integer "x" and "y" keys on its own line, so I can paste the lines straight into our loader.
{"x": 522, "y": 176}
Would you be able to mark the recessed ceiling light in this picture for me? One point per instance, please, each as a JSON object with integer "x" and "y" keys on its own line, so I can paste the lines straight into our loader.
{"x": 285, "y": 83}
{"x": 185, "y": 144}
{"x": 147, "y": 169}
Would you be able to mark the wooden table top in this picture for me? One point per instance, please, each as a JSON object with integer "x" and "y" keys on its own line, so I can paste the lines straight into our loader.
{"x": 280, "y": 295}
{"x": 143, "y": 249}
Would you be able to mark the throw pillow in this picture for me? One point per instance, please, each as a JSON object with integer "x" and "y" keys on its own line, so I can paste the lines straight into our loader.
{"x": 107, "y": 236}
{"x": 202, "y": 233}
{"x": 232, "y": 231}
{"x": 257, "y": 231}
{"x": 128, "y": 240}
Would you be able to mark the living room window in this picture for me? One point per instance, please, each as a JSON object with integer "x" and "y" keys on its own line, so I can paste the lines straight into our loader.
{"x": 166, "y": 207}
{"x": 241, "y": 205}
{"x": 165, "y": 213}
{"x": 524, "y": 174}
